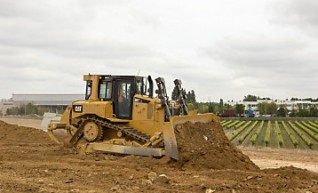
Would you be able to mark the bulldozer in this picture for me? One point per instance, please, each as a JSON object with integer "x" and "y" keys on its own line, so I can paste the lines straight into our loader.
{"x": 122, "y": 115}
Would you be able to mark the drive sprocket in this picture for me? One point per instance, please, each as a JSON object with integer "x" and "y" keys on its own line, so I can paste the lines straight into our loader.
{"x": 92, "y": 131}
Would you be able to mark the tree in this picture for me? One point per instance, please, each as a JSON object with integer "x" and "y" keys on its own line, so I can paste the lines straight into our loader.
{"x": 22, "y": 110}
{"x": 313, "y": 112}
{"x": 250, "y": 98}
{"x": 293, "y": 113}
{"x": 174, "y": 94}
{"x": 303, "y": 113}
{"x": 42, "y": 110}
{"x": 221, "y": 104}
{"x": 227, "y": 106}
{"x": 203, "y": 107}
{"x": 31, "y": 109}
{"x": 191, "y": 106}
{"x": 282, "y": 111}
{"x": 13, "y": 111}
{"x": 262, "y": 108}
{"x": 191, "y": 97}
{"x": 267, "y": 108}
{"x": 240, "y": 109}
{"x": 272, "y": 108}
{"x": 211, "y": 107}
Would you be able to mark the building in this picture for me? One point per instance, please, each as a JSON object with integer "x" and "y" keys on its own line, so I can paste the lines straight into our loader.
{"x": 290, "y": 105}
{"x": 46, "y": 99}
{"x": 52, "y": 101}
{"x": 4, "y": 105}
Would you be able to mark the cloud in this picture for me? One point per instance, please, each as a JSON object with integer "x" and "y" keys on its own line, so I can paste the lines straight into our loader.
{"x": 301, "y": 15}
{"x": 219, "y": 49}
{"x": 268, "y": 66}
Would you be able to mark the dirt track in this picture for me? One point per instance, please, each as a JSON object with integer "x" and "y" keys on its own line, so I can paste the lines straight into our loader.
{"x": 30, "y": 162}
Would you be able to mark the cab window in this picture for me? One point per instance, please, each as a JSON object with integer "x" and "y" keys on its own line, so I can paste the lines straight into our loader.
{"x": 139, "y": 89}
{"x": 88, "y": 89}
{"x": 105, "y": 90}
{"x": 145, "y": 88}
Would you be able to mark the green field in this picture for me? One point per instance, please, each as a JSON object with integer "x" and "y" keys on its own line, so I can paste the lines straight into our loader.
{"x": 273, "y": 133}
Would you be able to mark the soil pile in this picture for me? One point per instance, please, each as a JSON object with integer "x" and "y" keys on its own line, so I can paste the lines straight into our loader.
{"x": 205, "y": 146}
{"x": 12, "y": 134}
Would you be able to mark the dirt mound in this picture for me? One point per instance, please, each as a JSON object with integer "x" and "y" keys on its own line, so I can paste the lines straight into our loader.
{"x": 205, "y": 146}
{"x": 12, "y": 134}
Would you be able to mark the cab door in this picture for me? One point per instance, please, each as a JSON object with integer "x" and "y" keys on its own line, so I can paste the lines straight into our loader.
{"x": 123, "y": 99}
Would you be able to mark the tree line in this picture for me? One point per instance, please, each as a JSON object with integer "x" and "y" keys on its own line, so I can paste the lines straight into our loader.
{"x": 264, "y": 108}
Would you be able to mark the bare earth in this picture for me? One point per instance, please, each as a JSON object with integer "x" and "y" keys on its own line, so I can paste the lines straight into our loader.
{"x": 275, "y": 158}
{"x": 30, "y": 162}
{"x": 35, "y": 123}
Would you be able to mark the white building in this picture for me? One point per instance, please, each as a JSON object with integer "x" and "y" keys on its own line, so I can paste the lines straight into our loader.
{"x": 290, "y": 105}
{"x": 45, "y": 100}
{"x": 4, "y": 105}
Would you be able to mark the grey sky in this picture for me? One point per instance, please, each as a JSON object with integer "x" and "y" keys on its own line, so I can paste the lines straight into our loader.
{"x": 221, "y": 49}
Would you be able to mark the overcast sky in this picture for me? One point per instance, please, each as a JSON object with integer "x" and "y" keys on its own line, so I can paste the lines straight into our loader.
{"x": 221, "y": 49}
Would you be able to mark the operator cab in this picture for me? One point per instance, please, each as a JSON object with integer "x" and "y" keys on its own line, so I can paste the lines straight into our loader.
{"x": 120, "y": 90}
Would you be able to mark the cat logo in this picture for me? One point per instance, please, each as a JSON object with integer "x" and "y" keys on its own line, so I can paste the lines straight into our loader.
{"x": 78, "y": 108}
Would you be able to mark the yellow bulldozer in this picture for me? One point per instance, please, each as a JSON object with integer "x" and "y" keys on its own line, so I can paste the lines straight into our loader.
{"x": 120, "y": 114}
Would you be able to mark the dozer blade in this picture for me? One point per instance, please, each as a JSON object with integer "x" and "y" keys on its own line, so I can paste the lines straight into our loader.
{"x": 121, "y": 149}
{"x": 170, "y": 141}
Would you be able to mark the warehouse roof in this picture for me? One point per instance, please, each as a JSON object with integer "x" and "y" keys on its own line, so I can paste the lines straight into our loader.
{"x": 46, "y": 99}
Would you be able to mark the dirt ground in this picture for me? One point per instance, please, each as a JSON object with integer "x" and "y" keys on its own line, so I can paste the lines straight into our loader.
{"x": 275, "y": 158}
{"x": 30, "y": 162}
{"x": 26, "y": 122}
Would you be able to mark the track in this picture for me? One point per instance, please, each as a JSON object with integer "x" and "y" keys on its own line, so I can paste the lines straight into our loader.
{"x": 104, "y": 123}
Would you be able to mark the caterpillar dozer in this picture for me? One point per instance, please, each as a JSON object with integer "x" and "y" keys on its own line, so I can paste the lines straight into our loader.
{"x": 120, "y": 114}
